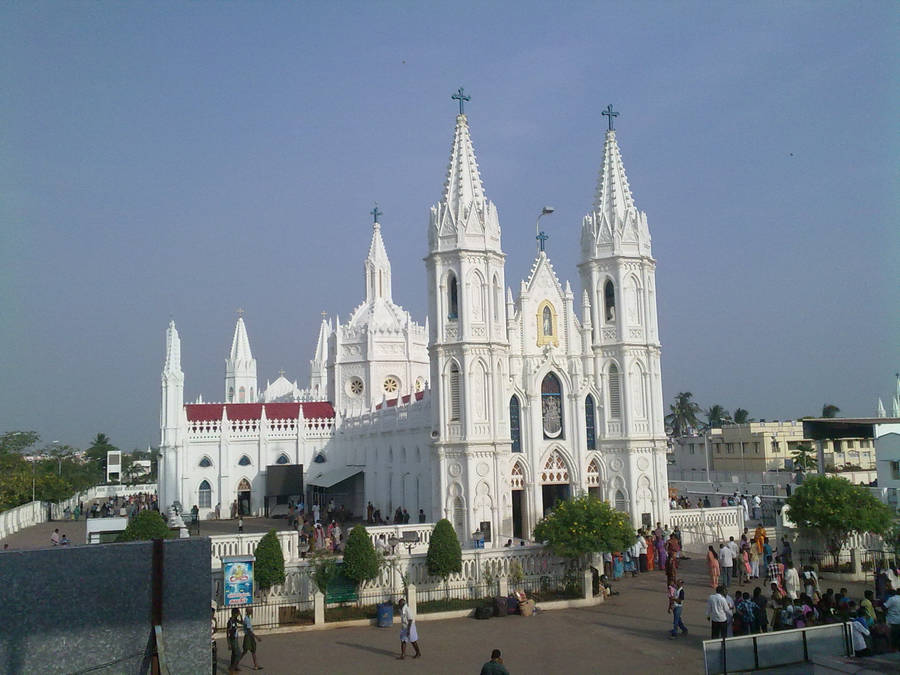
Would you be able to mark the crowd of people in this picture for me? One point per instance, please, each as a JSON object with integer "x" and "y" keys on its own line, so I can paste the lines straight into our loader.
{"x": 794, "y": 597}
{"x": 120, "y": 506}
{"x": 752, "y": 504}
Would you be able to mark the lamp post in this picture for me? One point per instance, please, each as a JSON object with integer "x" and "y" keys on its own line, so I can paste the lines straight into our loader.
{"x": 542, "y": 236}
{"x": 58, "y": 458}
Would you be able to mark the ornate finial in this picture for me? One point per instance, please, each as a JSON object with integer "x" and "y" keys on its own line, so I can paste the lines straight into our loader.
{"x": 462, "y": 98}
{"x": 375, "y": 213}
{"x": 610, "y": 113}
{"x": 542, "y": 237}
{"x": 324, "y": 314}
{"x": 281, "y": 372}
{"x": 240, "y": 312}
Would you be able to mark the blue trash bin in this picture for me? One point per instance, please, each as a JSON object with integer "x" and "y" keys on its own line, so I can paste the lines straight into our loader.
{"x": 385, "y": 614}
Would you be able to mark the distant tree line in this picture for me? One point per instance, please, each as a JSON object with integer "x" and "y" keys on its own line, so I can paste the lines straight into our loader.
{"x": 57, "y": 471}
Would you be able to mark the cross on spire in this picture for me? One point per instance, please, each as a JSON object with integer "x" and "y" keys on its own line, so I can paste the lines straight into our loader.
{"x": 240, "y": 311}
{"x": 610, "y": 113}
{"x": 375, "y": 213}
{"x": 281, "y": 372}
{"x": 462, "y": 98}
{"x": 542, "y": 237}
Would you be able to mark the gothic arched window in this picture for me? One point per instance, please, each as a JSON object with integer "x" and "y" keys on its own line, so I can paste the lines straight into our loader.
{"x": 551, "y": 406}
{"x": 454, "y": 393}
{"x": 590, "y": 426}
{"x": 515, "y": 429}
{"x": 498, "y": 298}
{"x": 204, "y": 500}
{"x": 244, "y": 460}
{"x": 452, "y": 297}
{"x": 282, "y": 459}
{"x": 205, "y": 462}
{"x": 621, "y": 503}
{"x": 242, "y": 394}
{"x": 230, "y": 394}
{"x": 615, "y": 391}
{"x": 609, "y": 300}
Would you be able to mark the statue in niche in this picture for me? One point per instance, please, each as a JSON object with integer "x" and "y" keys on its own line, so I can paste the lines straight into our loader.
{"x": 547, "y": 316}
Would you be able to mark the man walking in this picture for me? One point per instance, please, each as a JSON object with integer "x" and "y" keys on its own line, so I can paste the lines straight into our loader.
{"x": 495, "y": 665}
{"x": 676, "y": 605}
{"x": 250, "y": 638}
{"x": 718, "y": 612}
{"x": 726, "y": 561}
{"x": 231, "y": 633}
{"x": 408, "y": 632}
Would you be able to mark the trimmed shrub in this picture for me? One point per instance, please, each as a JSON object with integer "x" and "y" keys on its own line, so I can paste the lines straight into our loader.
{"x": 145, "y": 526}
{"x": 444, "y": 552}
{"x": 269, "y": 562}
{"x": 360, "y": 559}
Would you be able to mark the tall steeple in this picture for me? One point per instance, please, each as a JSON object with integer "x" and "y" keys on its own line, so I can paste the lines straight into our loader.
{"x": 240, "y": 367}
{"x": 170, "y": 413}
{"x": 377, "y": 265}
{"x": 318, "y": 371}
{"x": 464, "y": 216}
{"x": 613, "y": 195}
{"x": 172, "y": 366}
{"x": 879, "y": 410}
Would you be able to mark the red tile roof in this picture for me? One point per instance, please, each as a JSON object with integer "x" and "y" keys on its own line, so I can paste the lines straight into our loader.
{"x": 392, "y": 403}
{"x": 205, "y": 412}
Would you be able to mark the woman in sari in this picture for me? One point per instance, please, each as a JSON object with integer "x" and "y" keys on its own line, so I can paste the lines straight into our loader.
{"x": 651, "y": 553}
{"x": 661, "y": 552}
{"x": 712, "y": 563}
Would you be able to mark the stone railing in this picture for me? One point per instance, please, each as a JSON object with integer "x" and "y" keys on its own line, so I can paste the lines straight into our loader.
{"x": 245, "y": 544}
{"x": 702, "y": 527}
{"x": 19, "y": 518}
{"x": 383, "y": 533}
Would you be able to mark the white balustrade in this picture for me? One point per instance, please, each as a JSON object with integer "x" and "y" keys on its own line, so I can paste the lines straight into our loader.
{"x": 702, "y": 527}
{"x": 16, "y": 519}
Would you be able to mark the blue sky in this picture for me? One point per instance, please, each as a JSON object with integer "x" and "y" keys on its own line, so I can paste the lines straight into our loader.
{"x": 186, "y": 159}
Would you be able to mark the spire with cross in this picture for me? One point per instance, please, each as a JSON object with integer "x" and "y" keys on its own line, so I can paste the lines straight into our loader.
{"x": 462, "y": 98}
{"x": 610, "y": 113}
{"x": 375, "y": 213}
{"x": 542, "y": 237}
{"x": 240, "y": 312}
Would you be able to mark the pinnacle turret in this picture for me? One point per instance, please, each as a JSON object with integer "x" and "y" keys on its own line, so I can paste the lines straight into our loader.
{"x": 463, "y": 188}
{"x": 240, "y": 368}
{"x": 173, "y": 350}
{"x": 378, "y": 268}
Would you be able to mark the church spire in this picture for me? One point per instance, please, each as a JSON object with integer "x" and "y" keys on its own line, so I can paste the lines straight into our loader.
{"x": 463, "y": 188}
{"x": 173, "y": 350}
{"x": 377, "y": 265}
{"x": 613, "y": 196}
{"x": 464, "y": 217}
{"x": 879, "y": 410}
{"x": 240, "y": 343}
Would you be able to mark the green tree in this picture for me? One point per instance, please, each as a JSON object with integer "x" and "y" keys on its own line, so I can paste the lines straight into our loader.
{"x": 836, "y": 508}
{"x": 145, "y": 526}
{"x": 717, "y": 417}
{"x": 16, "y": 442}
{"x": 324, "y": 572}
{"x": 444, "y": 555}
{"x": 804, "y": 457}
{"x": 584, "y": 525}
{"x": 683, "y": 415}
{"x": 360, "y": 559}
{"x": 96, "y": 453}
{"x": 269, "y": 565}
{"x": 741, "y": 416}
{"x": 829, "y": 410}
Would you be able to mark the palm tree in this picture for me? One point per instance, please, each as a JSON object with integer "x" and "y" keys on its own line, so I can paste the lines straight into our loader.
{"x": 804, "y": 456}
{"x": 683, "y": 415}
{"x": 717, "y": 416}
{"x": 741, "y": 416}
{"x": 829, "y": 410}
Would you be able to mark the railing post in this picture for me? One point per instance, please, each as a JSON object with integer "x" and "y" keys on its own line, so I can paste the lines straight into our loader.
{"x": 318, "y": 608}
{"x": 503, "y": 586}
{"x": 411, "y": 598}
{"x": 589, "y": 585}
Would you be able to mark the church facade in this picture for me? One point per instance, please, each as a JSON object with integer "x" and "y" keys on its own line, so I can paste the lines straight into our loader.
{"x": 486, "y": 414}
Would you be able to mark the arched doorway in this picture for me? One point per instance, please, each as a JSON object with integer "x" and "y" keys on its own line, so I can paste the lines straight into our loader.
{"x": 243, "y": 497}
{"x": 554, "y": 481}
{"x": 593, "y": 479}
{"x": 517, "y": 487}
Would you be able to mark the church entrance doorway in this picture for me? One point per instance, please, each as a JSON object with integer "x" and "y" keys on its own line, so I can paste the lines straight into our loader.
{"x": 554, "y": 481}
{"x": 518, "y": 530}
{"x": 243, "y": 497}
{"x": 552, "y": 494}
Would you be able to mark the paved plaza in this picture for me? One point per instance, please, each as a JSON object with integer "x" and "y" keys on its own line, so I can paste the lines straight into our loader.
{"x": 626, "y": 634}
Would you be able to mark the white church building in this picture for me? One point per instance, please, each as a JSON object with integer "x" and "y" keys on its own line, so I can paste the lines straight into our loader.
{"x": 500, "y": 404}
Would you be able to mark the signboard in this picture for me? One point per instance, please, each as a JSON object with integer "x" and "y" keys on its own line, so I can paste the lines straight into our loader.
{"x": 237, "y": 580}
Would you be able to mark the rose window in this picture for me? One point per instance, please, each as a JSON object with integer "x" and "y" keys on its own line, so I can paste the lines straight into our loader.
{"x": 391, "y": 385}
{"x": 356, "y": 386}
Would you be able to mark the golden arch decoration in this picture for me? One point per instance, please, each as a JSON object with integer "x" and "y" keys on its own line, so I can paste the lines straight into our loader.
{"x": 547, "y": 325}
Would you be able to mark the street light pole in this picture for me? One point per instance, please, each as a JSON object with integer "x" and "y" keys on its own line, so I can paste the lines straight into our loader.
{"x": 541, "y": 237}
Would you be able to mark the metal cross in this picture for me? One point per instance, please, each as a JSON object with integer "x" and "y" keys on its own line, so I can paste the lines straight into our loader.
{"x": 375, "y": 213}
{"x": 542, "y": 237}
{"x": 240, "y": 311}
{"x": 610, "y": 114}
{"x": 281, "y": 372}
{"x": 324, "y": 313}
{"x": 462, "y": 98}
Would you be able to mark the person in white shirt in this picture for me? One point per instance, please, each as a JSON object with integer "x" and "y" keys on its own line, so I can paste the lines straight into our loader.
{"x": 892, "y": 616}
{"x": 791, "y": 581}
{"x": 735, "y": 549}
{"x": 858, "y": 633}
{"x": 726, "y": 560}
{"x": 408, "y": 632}
{"x": 746, "y": 506}
{"x": 718, "y": 612}
{"x": 757, "y": 506}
